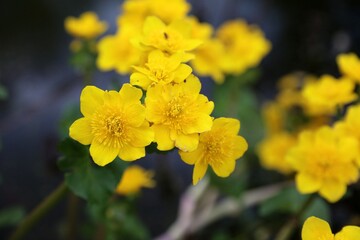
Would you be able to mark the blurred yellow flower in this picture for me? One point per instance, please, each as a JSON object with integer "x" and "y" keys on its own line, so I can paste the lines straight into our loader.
{"x": 133, "y": 179}
{"x": 349, "y": 65}
{"x": 113, "y": 124}
{"x": 220, "y": 148}
{"x": 272, "y": 151}
{"x": 171, "y": 39}
{"x": 324, "y": 161}
{"x": 245, "y": 46}
{"x": 86, "y": 26}
{"x": 326, "y": 94}
{"x": 117, "y": 53}
{"x": 316, "y": 228}
{"x": 178, "y": 113}
{"x": 273, "y": 115}
{"x": 160, "y": 69}
{"x": 169, "y": 11}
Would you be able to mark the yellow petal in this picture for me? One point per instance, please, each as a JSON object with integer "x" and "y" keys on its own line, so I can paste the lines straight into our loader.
{"x": 307, "y": 184}
{"x": 348, "y": 233}
{"x": 135, "y": 113}
{"x": 152, "y": 23}
{"x": 80, "y": 130}
{"x": 225, "y": 168}
{"x": 192, "y": 157}
{"x": 201, "y": 123}
{"x": 240, "y": 146}
{"x": 316, "y": 228}
{"x": 188, "y": 142}
{"x": 141, "y": 136}
{"x": 140, "y": 80}
{"x": 162, "y": 138}
{"x": 102, "y": 154}
{"x": 130, "y": 94}
{"x": 130, "y": 153}
{"x": 332, "y": 191}
{"x": 90, "y": 99}
{"x": 182, "y": 72}
{"x": 199, "y": 171}
{"x": 231, "y": 125}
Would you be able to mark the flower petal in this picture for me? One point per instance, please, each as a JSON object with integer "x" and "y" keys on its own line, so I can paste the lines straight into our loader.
{"x": 307, "y": 184}
{"x": 332, "y": 191}
{"x": 80, "y": 130}
{"x": 188, "y": 142}
{"x": 141, "y": 136}
{"x": 224, "y": 169}
{"x": 130, "y": 94}
{"x": 348, "y": 233}
{"x": 90, "y": 99}
{"x": 199, "y": 171}
{"x": 316, "y": 228}
{"x": 135, "y": 114}
{"x": 130, "y": 153}
{"x": 102, "y": 154}
{"x": 140, "y": 80}
{"x": 194, "y": 156}
{"x": 162, "y": 138}
{"x": 182, "y": 72}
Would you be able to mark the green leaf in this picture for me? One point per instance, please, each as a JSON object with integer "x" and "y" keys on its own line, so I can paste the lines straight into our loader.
{"x": 11, "y": 216}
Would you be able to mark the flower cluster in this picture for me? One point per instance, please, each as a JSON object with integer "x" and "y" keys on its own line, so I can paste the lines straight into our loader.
{"x": 313, "y": 130}
{"x": 162, "y": 103}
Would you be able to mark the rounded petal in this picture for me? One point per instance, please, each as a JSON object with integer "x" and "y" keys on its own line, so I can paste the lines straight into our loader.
{"x": 162, "y": 138}
{"x": 348, "y": 233}
{"x": 80, "y": 130}
{"x": 307, "y": 184}
{"x": 231, "y": 125}
{"x": 316, "y": 228}
{"x": 152, "y": 23}
{"x": 332, "y": 191}
{"x": 130, "y": 153}
{"x": 90, "y": 99}
{"x": 199, "y": 171}
{"x": 188, "y": 142}
{"x": 135, "y": 113}
{"x": 192, "y": 157}
{"x": 182, "y": 72}
{"x": 141, "y": 136}
{"x": 102, "y": 154}
{"x": 130, "y": 94}
{"x": 224, "y": 169}
{"x": 201, "y": 123}
{"x": 140, "y": 80}
{"x": 240, "y": 146}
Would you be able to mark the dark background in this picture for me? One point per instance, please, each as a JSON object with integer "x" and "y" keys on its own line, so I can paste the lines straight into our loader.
{"x": 34, "y": 68}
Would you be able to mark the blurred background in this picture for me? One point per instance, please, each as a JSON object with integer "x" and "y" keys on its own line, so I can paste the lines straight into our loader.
{"x": 41, "y": 85}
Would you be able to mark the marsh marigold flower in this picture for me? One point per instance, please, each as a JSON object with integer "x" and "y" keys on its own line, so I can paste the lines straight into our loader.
{"x": 220, "y": 148}
{"x": 117, "y": 53}
{"x": 349, "y": 65}
{"x": 86, "y": 26}
{"x": 171, "y": 39}
{"x": 160, "y": 69}
{"x": 245, "y": 46}
{"x": 178, "y": 113}
{"x": 324, "y": 161}
{"x": 133, "y": 179}
{"x": 272, "y": 151}
{"x": 316, "y": 228}
{"x": 326, "y": 94}
{"x": 113, "y": 124}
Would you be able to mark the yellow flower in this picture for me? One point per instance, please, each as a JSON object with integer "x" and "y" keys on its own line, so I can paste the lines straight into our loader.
{"x": 113, "y": 124}
{"x": 349, "y": 65}
{"x": 116, "y": 52}
{"x": 272, "y": 151}
{"x": 245, "y": 46}
{"x": 326, "y": 94}
{"x": 325, "y": 162}
{"x": 171, "y": 39}
{"x": 160, "y": 69}
{"x": 220, "y": 148}
{"x": 316, "y": 228}
{"x": 86, "y": 26}
{"x": 208, "y": 60}
{"x": 273, "y": 115}
{"x": 169, "y": 11}
{"x": 178, "y": 113}
{"x": 133, "y": 179}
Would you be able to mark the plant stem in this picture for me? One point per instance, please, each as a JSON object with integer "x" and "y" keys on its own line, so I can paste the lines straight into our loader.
{"x": 72, "y": 216}
{"x": 31, "y": 219}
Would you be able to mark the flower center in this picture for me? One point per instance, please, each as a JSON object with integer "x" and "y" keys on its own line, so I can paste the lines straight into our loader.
{"x": 174, "y": 108}
{"x": 214, "y": 149}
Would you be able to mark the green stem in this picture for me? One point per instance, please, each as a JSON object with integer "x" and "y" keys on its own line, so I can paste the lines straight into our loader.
{"x": 286, "y": 231}
{"x": 72, "y": 216}
{"x": 31, "y": 219}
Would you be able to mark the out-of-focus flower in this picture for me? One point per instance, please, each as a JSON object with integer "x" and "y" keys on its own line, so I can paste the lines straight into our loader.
{"x": 326, "y": 94}
{"x": 272, "y": 151}
{"x": 273, "y": 115}
{"x": 114, "y": 124}
{"x": 220, "y": 148}
{"x": 133, "y": 179}
{"x": 160, "y": 69}
{"x": 178, "y": 113}
{"x": 116, "y": 52}
{"x": 324, "y": 161}
{"x": 167, "y": 11}
{"x": 349, "y": 65}
{"x": 171, "y": 39}
{"x": 86, "y": 26}
{"x": 245, "y": 46}
{"x": 316, "y": 228}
